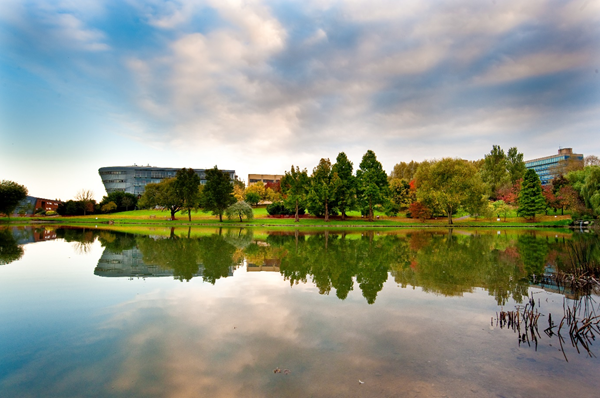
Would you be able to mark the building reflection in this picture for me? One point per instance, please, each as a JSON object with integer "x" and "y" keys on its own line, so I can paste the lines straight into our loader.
{"x": 130, "y": 263}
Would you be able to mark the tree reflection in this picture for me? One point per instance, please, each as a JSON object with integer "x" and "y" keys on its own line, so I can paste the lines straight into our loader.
{"x": 10, "y": 251}
{"x": 443, "y": 263}
{"x": 182, "y": 255}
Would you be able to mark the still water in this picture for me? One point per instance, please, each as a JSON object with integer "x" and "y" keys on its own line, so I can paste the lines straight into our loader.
{"x": 247, "y": 313}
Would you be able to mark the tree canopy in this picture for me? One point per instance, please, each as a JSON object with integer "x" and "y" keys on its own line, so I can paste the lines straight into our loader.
{"x": 346, "y": 185}
{"x": 372, "y": 184}
{"x": 187, "y": 187}
{"x": 294, "y": 185}
{"x": 448, "y": 183}
{"x": 11, "y": 194}
{"x": 217, "y": 194}
{"x": 531, "y": 198}
{"x": 163, "y": 195}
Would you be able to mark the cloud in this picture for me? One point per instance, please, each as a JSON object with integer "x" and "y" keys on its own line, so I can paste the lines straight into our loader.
{"x": 304, "y": 80}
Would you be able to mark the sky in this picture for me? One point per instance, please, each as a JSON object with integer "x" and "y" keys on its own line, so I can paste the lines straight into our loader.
{"x": 258, "y": 86}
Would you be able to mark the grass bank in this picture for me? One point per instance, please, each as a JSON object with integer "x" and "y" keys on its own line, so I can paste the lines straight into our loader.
{"x": 262, "y": 219}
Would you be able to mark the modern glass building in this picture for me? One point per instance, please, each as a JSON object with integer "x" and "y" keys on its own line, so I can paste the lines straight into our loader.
{"x": 133, "y": 179}
{"x": 549, "y": 167}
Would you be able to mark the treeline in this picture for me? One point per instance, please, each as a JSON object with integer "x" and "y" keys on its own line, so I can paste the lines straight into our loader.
{"x": 493, "y": 186}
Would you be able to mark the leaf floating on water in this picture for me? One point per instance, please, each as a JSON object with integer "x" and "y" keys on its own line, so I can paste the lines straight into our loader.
{"x": 286, "y": 371}
{"x": 277, "y": 370}
{"x": 361, "y": 382}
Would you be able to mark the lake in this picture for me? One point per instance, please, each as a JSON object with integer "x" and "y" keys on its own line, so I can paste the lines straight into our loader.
{"x": 190, "y": 312}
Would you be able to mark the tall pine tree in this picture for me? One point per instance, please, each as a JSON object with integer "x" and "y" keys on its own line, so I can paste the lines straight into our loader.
{"x": 531, "y": 199}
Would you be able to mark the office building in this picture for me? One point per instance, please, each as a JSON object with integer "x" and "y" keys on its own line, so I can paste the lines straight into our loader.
{"x": 551, "y": 166}
{"x": 254, "y": 178}
{"x": 133, "y": 179}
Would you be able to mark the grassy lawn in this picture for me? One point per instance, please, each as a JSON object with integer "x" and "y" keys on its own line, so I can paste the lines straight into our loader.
{"x": 261, "y": 218}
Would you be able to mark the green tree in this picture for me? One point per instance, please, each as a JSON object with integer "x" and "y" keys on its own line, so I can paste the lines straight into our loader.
{"x": 217, "y": 194}
{"x": 163, "y": 195}
{"x": 294, "y": 185}
{"x": 346, "y": 188}
{"x": 450, "y": 183}
{"x": 252, "y": 198}
{"x": 515, "y": 164}
{"x": 401, "y": 194}
{"x": 10, "y": 250}
{"x": 323, "y": 187}
{"x": 240, "y": 209}
{"x": 494, "y": 170}
{"x": 11, "y": 194}
{"x": 404, "y": 170}
{"x": 109, "y": 207}
{"x": 122, "y": 199}
{"x": 531, "y": 199}
{"x": 589, "y": 188}
{"x": 372, "y": 184}
{"x": 187, "y": 187}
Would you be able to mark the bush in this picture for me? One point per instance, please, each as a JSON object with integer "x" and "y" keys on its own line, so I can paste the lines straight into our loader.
{"x": 279, "y": 208}
{"x": 51, "y": 213}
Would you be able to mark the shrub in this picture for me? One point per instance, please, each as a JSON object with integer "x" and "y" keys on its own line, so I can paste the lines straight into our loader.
{"x": 51, "y": 213}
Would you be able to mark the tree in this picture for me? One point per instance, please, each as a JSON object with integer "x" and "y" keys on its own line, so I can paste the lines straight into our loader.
{"x": 591, "y": 160}
{"x": 109, "y": 207}
{"x": 187, "y": 187}
{"x": 217, "y": 194}
{"x": 323, "y": 187}
{"x": 449, "y": 182}
{"x": 252, "y": 198}
{"x": 501, "y": 208}
{"x": 240, "y": 209}
{"x": 346, "y": 188}
{"x": 163, "y": 195}
{"x": 129, "y": 201}
{"x": 401, "y": 194}
{"x": 122, "y": 199}
{"x": 531, "y": 199}
{"x": 418, "y": 210}
{"x": 294, "y": 185}
{"x": 86, "y": 197}
{"x": 11, "y": 194}
{"x": 404, "y": 170}
{"x": 515, "y": 164}
{"x": 590, "y": 191}
{"x": 372, "y": 184}
{"x": 494, "y": 170}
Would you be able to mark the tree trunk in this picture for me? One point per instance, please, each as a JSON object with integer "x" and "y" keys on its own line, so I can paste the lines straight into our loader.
{"x": 326, "y": 211}
{"x": 343, "y": 215}
{"x": 240, "y": 217}
{"x": 221, "y": 217}
{"x": 190, "y": 214}
{"x": 172, "y": 214}
{"x": 449, "y": 210}
{"x": 370, "y": 210}
{"x": 297, "y": 219}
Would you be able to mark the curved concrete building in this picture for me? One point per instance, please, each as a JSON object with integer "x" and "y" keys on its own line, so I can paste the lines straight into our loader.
{"x": 133, "y": 179}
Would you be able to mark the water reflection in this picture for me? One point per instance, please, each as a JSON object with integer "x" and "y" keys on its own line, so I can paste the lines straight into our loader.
{"x": 441, "y": 262}
{"x": 68, "y": 332}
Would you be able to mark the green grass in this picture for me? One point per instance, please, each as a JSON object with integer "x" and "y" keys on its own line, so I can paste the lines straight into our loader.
{"x": 201, "y": 218}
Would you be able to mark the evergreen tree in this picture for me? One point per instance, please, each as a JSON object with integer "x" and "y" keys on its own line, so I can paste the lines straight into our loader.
{"x": 372, "y": 184}
{"x": 346, "y": 189}
{"x": 295, "y": 185}
{"x": 217, "y": 194}
{"x": 531, "y": 198}
{"x": 323, "y": 187}
{"x": 187, "y": 186}
{"x": 515, "y": 164}
{"x": 494, "y": 170}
